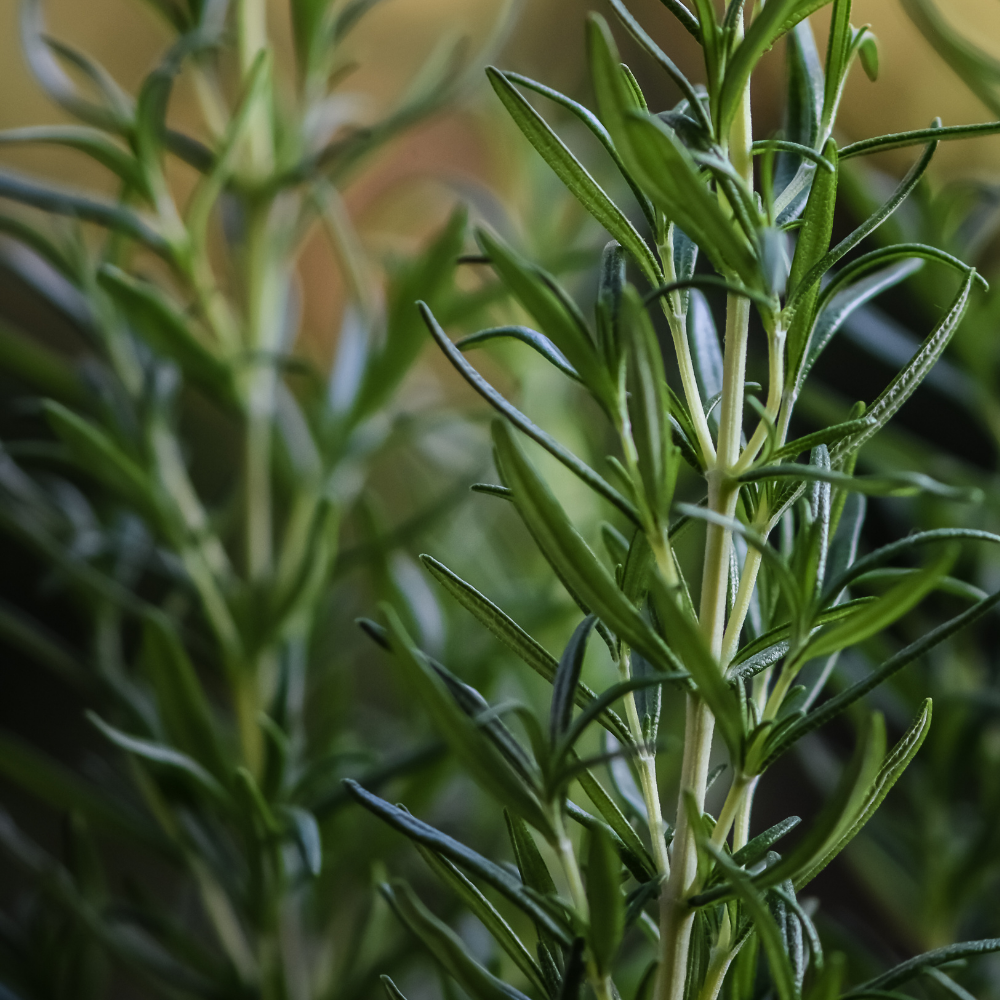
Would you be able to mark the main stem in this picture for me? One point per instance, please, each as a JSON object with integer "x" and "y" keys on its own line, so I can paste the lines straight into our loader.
{"x": 676, "y": 918}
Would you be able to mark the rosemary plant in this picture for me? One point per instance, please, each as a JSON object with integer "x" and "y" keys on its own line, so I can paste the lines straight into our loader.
{"x": 745, "y": 634}
{"x": 205, "y": 584}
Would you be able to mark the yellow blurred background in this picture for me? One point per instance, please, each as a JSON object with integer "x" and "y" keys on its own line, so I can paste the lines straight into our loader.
{"x": 473, "y": 144}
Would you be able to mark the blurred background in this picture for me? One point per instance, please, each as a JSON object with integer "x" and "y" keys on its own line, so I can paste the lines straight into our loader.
{"x": 942, "y": 884}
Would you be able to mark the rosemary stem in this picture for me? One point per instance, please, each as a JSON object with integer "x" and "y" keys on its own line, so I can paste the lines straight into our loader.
{"x": 676, "y": 917}
{"x": 646, "y": 762}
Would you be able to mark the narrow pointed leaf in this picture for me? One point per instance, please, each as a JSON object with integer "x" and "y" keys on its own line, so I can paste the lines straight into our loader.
{"x": 446, "y": 946}
{"x": 519, "y": 420}
{"x": 478, "y": 755}
{"x": 570, "y": 555}
{"x": 499, "y": 878}
{"x": 517, "y": 640}
{"x": 575, "y": 176}
{"x": 606, "y": 903}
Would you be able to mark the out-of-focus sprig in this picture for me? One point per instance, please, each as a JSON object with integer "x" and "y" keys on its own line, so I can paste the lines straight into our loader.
{"x": 205, "y": 605}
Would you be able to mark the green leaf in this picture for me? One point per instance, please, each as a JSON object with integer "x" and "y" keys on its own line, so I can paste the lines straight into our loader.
{"x": 607, "y": 697}
{"x": 889, "y": 484}
{"x": 575, "y": 176}
{"x": 59, "y": 787}
{"x": 180, "y": 698}
{"x": 839, "y": 811}
{"x": 114, "y": 115}
{"x": 164, "y": 327}
{"x": 159, "y": 753}
{"x": 648, "y": 406}
{"x": 446, "y": 946}
{"x": 429, "y": 277}
{"x": 90, "y": 141}
{"x": 883, "y": 612}
{"x": 605, "y": 901}
{"x": 754, "y": 850}
{"x": 488, "y": 915}
{"x": 535, "y": 340}
{"x": 485, "y": 762}
{"x": 886, "y": 553}
{"x": 544, "y": 913}
{"x": 688, "y": 21}
{"x": 848, "y": 243}
{"x": 917, "y": 137}
{"x": 528, "y": 858}
{"x": 392, "y": 991}
{"x": 892, "y": 767}
{"x": 101, "y": 457}
{"x": 39, "y": 367}
{"x": 839, "y": 306}
{"x": 567, "y": 679}
{"x": 559, "y": 321}
{"x": 803, "y": 111}
{"x": 774, "y": 20}
{"x": 305, "y": 831}
{"x": 813, "y": 241}
{"x": 908, "y": 970}
{"x": 616, "y": 820}
{"x": 869, "y": 261}
{"x": 519, "y": 420}
{"x": 827, "y": 436}
{"x": 903, "y": 385}
{"x": 517, "y": 640}
{"x": 834, "y": 706}
{"x": 868, "y": 53}
{"x": 61, "y": 201}
{"x": 661, "y": 164}
{"x": 763, "y": 923}
{"x": 593, "y": 123}
{"x": 665, "y": 63}
{"x": 570, "y": 555}
{"x": 706, "y": 351}
{"x": 838, "y": 61}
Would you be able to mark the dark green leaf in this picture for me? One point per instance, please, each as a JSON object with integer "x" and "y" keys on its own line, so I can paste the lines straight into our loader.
{"x": 575, "y": 176}
{"x": 516, "y": 639}
{"x": 160, "y": 754}
{"x": 60, "y": 201}
{"x": 485, "y": 762}
{"x": 834, "y": 706}
{"x": 908, "y": 970}
{"x": 168, "y": 331}
{"x": 181, "y": 700}
{"x": 903, "y": 385}
{"x": 579, "y": 468}
{"x": 892, "y": 767}
{"x": 488, "y": 915}
{"x": 661, "y": 164}
{"x": 544, "y": 914}
{"x": 605, "y": 900}
{"x": 917, "y": 137}
{"x": 570, "y": 555}
{"x": 567, "y": 679}
{"x": 446, "y": 946}
{"x": 535, "y": 340}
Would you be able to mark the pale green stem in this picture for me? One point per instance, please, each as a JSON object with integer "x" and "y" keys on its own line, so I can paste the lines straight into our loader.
{"x": 775, "y": 393}
{"x": 646, "y": 761}
{"x": 675, "y": 916}
{"x": 601, "y": 984}
{"x": 252, "y": 37}
{"x": 689, "y": 384}
{"x": 730, "y": 809}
